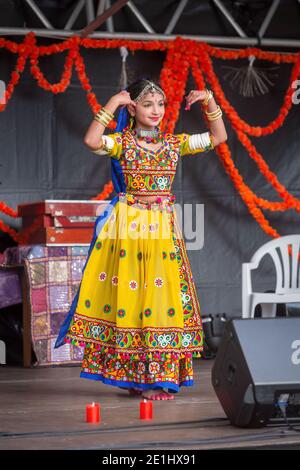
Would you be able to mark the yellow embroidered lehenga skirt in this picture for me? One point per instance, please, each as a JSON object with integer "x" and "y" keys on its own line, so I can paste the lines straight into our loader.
{"x": 136, "y": 312}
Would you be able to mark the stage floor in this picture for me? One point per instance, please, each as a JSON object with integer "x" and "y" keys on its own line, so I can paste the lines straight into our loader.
{"x": 44, "y": 408}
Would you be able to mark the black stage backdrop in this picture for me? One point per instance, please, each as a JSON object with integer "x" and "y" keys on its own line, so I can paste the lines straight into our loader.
{"x": 43, "y": 157}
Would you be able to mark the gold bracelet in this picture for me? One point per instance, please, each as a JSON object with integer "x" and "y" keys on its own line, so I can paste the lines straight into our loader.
{"x": 104, "y": 116}
{"x": 211, "y": 116}
{"x": 215, "y": 111}
{"x": 214, "y": 116}
{"x": 209, "y": 95}
{"x": 217, "y": 116}
{"x": 102, "y": 120}
{"x": 106, "y": 111}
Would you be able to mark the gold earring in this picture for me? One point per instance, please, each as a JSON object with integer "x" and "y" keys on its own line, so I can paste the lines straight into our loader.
{"x": 131, "y": 122}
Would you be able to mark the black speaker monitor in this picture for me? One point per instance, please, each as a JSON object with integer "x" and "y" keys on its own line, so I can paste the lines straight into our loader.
{"x": 258, "y": 365}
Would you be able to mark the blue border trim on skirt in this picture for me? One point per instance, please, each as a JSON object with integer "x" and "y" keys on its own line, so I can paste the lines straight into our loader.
{"x": 118, "y": 383}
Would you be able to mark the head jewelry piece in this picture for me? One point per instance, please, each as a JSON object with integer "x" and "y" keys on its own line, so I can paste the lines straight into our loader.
{"x": 149, "y": 87}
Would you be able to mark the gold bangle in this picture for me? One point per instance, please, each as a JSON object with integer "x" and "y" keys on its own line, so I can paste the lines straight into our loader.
{"x": 209, "y": 95}
{"x": 218, "y": 114}
{"x": 102, "y": 120}
{"x": 105, "y": 112}
{"x": 104, "y": 116}
{"x": 214, "y": 113}
{"x": 213, "y": 118}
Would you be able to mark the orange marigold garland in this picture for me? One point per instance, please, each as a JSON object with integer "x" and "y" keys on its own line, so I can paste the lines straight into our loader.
{"x": 108, "y": 189}
{"x": 206, "y": 65}
{"x": 290, "y": 201}
{"x": 17, "y": 237}
{"x": 225, "y": 155}
{"x": 246, "y": 194}
{"x": 23, "y": 50}
{"x": 244, "y": 191}
{"x": 63, "y": 84}
{"x": 247, "y": 52}
{"x": 173, "y": 81}
{"x": 7, "y": 210}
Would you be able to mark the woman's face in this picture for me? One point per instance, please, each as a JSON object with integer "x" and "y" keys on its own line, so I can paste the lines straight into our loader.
{"x": 150, "y": 110}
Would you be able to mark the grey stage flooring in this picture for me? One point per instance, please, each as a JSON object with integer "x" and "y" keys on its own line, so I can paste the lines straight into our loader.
{"x": 44, "y": 408}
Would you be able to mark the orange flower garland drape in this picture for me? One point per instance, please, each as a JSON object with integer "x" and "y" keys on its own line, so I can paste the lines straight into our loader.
{"x": 181, "y": 56}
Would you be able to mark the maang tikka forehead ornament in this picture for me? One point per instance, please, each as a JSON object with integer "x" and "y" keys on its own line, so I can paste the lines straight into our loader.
{"x": 152, "y": 88}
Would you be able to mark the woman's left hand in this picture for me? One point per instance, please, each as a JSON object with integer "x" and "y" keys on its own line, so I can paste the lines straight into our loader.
{"x": 193, "y": 96}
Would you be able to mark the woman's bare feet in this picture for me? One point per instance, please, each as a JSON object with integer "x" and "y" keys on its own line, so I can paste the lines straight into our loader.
{"x": 150, "y": 394}
{"x": 157, "y": 395}
{"x": 134, "y": 391}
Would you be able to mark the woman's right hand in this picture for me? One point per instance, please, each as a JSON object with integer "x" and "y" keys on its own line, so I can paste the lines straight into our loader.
{"x": 93, "y": 135}
{"x": 123, "y": 98}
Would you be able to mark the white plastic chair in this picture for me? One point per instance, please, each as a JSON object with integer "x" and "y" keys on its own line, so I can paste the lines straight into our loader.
{"x": 287, "y": 277}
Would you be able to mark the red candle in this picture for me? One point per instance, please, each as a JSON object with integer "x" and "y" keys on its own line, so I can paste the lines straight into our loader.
{"x": 93, "y": 413}
{"x": 146, "y": 409}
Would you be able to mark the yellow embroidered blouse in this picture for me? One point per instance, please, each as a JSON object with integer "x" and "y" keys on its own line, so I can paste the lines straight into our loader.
{"x": 148, "y": 172}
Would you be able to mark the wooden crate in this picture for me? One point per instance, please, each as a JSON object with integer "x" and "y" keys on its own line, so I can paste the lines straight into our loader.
{"x": 61, "y": 222}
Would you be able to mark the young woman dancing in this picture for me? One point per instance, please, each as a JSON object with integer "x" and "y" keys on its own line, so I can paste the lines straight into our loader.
{"x": 136, "y": 311}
